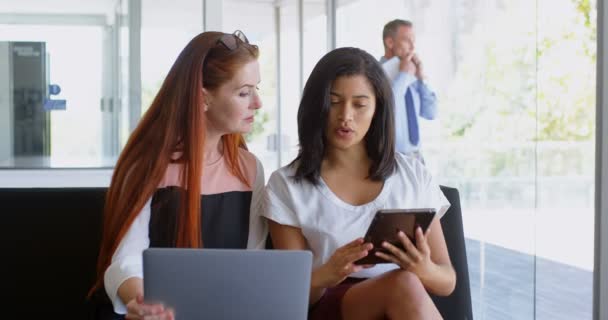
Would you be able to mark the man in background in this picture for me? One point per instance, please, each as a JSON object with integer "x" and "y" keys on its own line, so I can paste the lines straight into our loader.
{"x": 413, "y": 97}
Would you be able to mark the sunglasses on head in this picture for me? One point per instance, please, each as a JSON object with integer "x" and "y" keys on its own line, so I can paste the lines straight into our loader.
{"x": 231, "y": 41}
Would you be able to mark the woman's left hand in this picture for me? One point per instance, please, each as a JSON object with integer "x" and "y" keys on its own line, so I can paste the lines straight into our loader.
{"x": 415, "y": 258}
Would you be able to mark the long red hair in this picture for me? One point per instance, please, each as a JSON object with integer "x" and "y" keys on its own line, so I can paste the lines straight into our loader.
{"x": 174, "y": 123}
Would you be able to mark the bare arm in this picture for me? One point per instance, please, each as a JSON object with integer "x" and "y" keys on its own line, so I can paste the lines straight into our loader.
{"x": 130, "y": 289}
{"x": 131, "y": 292}
{"x": 290, "y": 238}
{"x": 443, "y": 279}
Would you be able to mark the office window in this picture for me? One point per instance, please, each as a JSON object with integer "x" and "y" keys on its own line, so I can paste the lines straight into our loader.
{"x": 356, "y": 27}
{"x": 515, "y": 134}
{"x": 51, "y": 76}
{"x": 258, "y": 21}
{"x": 314, "y": 34}
{"x": 165, "y": 31}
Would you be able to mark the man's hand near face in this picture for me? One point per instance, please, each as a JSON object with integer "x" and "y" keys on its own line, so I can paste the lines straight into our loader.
{"x": 418, "y": 63}
{"x": 407, "y": 63}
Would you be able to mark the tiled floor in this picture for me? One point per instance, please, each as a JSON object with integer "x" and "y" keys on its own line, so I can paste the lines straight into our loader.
{"x": 506, "y": 289}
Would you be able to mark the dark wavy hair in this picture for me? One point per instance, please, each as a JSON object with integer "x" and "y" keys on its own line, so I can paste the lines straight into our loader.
{"x": 314, "y": 110}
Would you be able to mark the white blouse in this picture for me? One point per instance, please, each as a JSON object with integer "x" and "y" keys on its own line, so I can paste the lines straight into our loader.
{"x": 328, "y": 223}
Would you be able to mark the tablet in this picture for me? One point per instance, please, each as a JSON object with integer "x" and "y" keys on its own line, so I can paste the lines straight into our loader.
{"x": 386, "y": 224}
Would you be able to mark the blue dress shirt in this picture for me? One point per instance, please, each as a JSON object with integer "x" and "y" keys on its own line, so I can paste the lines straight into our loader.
{"x": 425, "y": 105}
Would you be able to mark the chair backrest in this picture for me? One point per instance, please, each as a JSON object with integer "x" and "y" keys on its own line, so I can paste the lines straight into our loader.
{"x": 51, "y": 241}
{"x": 458, "y": 304}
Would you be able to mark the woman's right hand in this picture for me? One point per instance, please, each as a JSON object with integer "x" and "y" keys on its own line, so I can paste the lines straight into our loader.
{"x": 137, "y": 309}
{"x": 341, "y": 264}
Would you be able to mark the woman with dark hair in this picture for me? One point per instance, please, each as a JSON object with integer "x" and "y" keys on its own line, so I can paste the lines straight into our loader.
{"x": 345, "y": 171}
{"x": 185, "y": 178}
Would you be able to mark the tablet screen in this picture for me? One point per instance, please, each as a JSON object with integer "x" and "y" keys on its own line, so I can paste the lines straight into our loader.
{"x": 387, "y": 223}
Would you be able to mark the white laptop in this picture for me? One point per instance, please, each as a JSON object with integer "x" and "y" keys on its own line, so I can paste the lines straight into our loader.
{"x": 229, "y": 283}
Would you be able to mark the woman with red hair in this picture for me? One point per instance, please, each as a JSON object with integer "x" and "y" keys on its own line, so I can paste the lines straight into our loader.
{"x": 185, "y": 178}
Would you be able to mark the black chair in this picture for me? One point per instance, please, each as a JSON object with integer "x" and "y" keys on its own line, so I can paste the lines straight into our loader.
{"x": 456, "y": 306}
{"x": 51, "y": 240}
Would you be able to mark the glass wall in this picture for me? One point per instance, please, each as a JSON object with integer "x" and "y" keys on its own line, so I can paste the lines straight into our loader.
{"x": 165, "y": 31}
{"x": 515, "y": 133}
{"x": 303, "y": 43}
{"x": 355, "y": 27}
{"x": 314, "y": 33}
{"x": 52, "y": 75}
{"x": 290, "y": 80}
{"x": 258, "y": 20}
{"x": 565, "y": 152}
